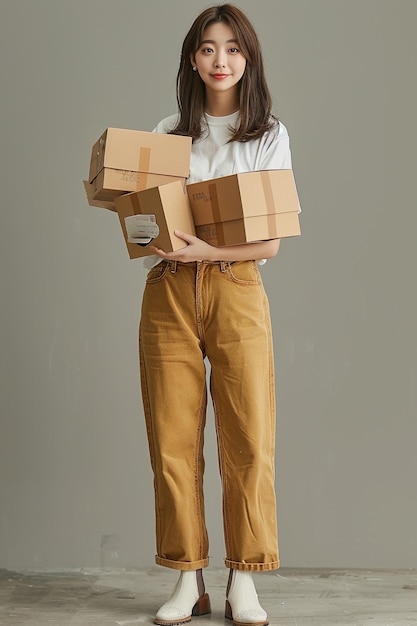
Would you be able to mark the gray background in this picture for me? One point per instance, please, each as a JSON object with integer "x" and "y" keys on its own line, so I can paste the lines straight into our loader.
{"x": 76, "y": 487}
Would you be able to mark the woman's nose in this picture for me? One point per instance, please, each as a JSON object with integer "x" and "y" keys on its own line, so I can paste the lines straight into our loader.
{"x": 219, "y": 61}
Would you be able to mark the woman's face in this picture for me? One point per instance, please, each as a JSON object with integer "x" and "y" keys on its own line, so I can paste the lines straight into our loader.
{"x": 218, "y": 60}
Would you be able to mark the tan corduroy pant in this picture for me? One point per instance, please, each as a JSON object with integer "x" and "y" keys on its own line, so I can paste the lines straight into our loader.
{"x": 191, "y": 311}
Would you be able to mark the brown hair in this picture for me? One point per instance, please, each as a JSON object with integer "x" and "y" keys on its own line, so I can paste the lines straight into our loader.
{"x": 255, "y": 99}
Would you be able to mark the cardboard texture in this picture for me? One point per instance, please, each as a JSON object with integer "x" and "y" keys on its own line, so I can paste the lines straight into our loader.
{"x": 110, "y": 183}
{"x": 140, "y": 157}
{"x": 241, "y": 208}
{"x": 89, "y": 190}
{"x": 171, "y": 208}
{"x": 247, "y": 229}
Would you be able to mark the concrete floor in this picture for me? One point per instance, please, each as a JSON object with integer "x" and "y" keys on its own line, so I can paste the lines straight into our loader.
{"x": 291, "y": 597}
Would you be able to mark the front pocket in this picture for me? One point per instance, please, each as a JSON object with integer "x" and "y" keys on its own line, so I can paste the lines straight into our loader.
{"x": 244, "y": 272}
{"x": 157, "y": 273}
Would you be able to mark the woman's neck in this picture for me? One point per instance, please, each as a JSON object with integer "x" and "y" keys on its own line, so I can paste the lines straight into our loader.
{"x": 221, "y": 104}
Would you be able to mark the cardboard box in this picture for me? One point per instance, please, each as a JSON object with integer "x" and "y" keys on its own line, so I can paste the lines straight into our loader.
{"x": 125, "y": 160}
{"x": 89, "y": 190}
{"x": 171, "y": 208}
{"x": 241, "y": 208}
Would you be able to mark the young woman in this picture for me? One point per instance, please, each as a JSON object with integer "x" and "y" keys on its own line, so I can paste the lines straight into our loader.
{"x": 202, "y": 301}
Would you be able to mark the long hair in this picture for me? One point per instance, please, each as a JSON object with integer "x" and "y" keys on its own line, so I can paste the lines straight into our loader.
{"x": 254, "y": 96}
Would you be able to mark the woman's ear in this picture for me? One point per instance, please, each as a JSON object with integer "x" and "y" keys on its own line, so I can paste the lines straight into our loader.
{"x": 192, "y": 60}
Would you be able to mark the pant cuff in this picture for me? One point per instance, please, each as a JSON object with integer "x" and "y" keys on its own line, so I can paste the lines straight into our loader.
{"x": 185, "y": 566}
{"x": 251, "y": 567}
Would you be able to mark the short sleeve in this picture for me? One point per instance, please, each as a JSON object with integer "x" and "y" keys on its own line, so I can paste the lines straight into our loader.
{"x": 166, "y": 125}
{"x": 276, "y": 153}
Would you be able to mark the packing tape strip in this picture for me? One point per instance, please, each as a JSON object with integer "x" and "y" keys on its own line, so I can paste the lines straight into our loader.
{"x": 143, "y": 168}
{"x": 214, "y": 202}
{"x": 268, "y": 194}
{"x": 220, "y": 234}
{"x": 134, "y": 201}
{"x": 272, "y": 219}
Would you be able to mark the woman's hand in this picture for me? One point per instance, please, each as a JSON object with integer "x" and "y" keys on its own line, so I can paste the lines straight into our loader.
{"x": 196, "y": 250}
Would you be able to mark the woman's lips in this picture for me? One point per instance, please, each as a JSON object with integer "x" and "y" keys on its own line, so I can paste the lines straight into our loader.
{"x": 219, "y": 76}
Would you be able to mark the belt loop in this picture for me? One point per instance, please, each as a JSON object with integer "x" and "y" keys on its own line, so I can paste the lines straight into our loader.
{"x": 223, "y": 266}
{"x": 173, "y": 265}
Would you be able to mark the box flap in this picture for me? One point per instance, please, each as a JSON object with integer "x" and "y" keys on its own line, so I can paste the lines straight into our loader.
{"x": 104, "y": 204}
{"x": 250, "y": 229}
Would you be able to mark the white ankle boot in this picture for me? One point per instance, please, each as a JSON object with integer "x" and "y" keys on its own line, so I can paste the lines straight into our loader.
{"x": 187, "y": 599}
{"x": 242, "y": 605}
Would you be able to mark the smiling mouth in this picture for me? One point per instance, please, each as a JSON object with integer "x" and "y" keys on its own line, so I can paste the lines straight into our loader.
{"x": 220, "y": 75}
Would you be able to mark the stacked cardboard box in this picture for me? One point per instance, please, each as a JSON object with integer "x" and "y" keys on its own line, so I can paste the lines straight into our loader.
{"x": 169, "y": 204}
{"x": 131, "y": 160}
{"x": 247, "y": 207}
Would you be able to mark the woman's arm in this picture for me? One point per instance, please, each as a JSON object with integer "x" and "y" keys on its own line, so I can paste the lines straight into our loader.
{"x": 198, "y": 250}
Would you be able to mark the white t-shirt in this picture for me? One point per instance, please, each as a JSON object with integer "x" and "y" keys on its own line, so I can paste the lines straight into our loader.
{"x": 213, "y": 157}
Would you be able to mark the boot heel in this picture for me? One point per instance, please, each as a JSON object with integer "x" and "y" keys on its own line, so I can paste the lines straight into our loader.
{"x": 228, "y": 611}
{"x": 202, "y": 606}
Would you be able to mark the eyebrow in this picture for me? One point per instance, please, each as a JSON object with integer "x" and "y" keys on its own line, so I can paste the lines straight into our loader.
{"x": 212, "y": 41}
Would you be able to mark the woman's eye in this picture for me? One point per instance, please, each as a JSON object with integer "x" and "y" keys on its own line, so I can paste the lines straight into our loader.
{"x": 234, "y": 50}
{"x": 207, "y": 50}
